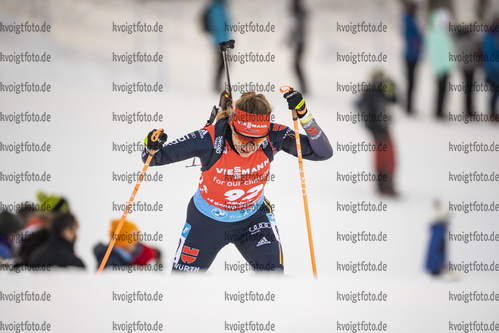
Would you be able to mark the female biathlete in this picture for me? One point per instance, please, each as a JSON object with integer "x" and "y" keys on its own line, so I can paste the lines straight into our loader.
{"x": 229, "y": 205}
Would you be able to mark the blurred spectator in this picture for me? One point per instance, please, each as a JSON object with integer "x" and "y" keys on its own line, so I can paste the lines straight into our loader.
{"x": 146, "y": 255}
{"x": 26, "y": 211}
{"x": 374, "y": 103}
{"x": 441, "y": 4}
{"x": 490, "y": 50}
{"x": 9, "y": 225}
{"x": 215, "y": 20}
{"x": 438, "y": 47}
{"x": 413, "y": 45}
{"x": 436, "y": 257}
{"x": 480, "y": 10}
{"x": 127, "y": 249}
{"x": 297, "y": 40}
{"x": 486, "y": 9}
{"x": 36, "y": 232}
{"x": 52, "y": 202}
{"x": 59, "y": 251}
{"x": 467, "y": 43}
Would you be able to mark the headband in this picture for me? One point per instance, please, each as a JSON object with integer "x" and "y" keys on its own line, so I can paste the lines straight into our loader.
{"x": 250, "y": 124}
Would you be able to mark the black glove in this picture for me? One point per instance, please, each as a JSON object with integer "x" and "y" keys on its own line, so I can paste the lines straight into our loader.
{"x": 155, "y": 145}
{"x": 296, "y": 102}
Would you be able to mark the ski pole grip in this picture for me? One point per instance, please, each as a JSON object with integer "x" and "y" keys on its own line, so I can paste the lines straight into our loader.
{"x": 155, "y": 135}
{"x": 226, "y": 45}
{"x": 284, "y": 89}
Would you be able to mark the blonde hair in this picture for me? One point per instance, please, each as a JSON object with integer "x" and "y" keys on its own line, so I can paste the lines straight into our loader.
{"x": 249, "y": 102}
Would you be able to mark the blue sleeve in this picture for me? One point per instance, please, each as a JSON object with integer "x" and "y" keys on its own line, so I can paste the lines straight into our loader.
{"x": 195, "y": 144}
{"x": 315, "y": 145}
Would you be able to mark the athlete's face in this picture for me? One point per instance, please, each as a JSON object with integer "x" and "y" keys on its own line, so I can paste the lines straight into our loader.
{"x": 246, "y": 145}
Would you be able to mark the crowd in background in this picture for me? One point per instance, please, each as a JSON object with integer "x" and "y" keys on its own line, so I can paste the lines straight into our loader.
{"x": 43, "y": 234}
{"x": 473, "y": 37}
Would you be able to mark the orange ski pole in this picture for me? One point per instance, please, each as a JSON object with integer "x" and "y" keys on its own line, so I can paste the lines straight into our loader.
{"x": 284, "y": 89}
{"x": 154, "y": 137}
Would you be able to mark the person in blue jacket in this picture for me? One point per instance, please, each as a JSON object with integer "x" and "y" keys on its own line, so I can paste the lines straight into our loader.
{"x": 413, "y": 46}
{"x": 215, "y": 20}
{"x": 437, "y": 247}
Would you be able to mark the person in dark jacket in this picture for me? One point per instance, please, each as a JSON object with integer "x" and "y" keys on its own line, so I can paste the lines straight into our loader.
{"x": 467, "y": 43}
{"x": 59, "y": 251}
{"x": 297, "y": 38}
{"x": 374, "y": 103}
{"x": 38, "y": 225}
{"x": 413, "y": 45}
{"x": 34, "y": 234}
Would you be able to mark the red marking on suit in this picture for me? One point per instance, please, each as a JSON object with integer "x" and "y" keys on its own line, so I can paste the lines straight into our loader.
{"x": 190, "y": 255}
{"x": 278, "y": 127}
{"x": 235, "y": 182}
{"x": 312, "y": 131}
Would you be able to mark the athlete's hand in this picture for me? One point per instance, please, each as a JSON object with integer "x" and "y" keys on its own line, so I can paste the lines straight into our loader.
{"x": 155, "y": 145}
{"x": 296, "y": 102}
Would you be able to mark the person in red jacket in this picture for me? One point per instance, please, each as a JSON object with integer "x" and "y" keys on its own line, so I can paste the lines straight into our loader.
{"x": 127, "y": 250}
{"x": 229, "y": 205}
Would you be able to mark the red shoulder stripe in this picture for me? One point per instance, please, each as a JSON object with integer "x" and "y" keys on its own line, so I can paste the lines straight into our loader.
{"x": 211, "y": 130}
{"x": 278, "y": 127}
